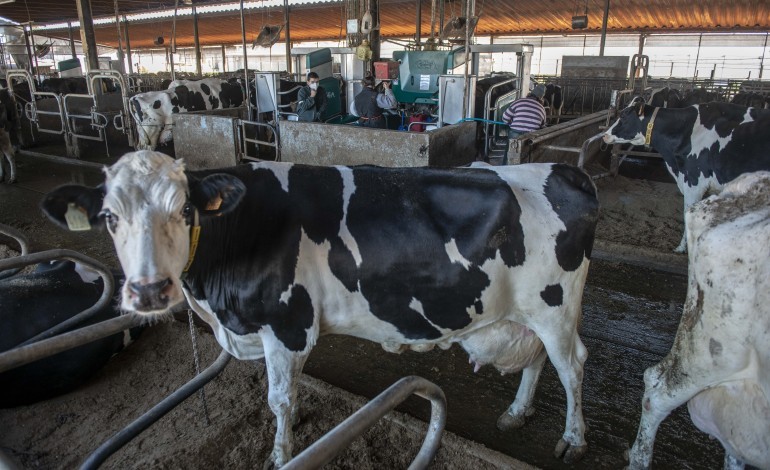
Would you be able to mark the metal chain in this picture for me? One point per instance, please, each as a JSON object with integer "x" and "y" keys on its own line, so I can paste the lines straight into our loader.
{"x": 196, "y": 357}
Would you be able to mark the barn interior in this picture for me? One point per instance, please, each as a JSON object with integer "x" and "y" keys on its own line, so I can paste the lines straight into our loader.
{"x": 453, "y": 79}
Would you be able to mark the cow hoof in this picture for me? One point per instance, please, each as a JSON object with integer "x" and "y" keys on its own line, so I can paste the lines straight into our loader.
{"x": 569, "y": 453}
{"x": 270, "y": 465}
{"x": 507, "y": 422}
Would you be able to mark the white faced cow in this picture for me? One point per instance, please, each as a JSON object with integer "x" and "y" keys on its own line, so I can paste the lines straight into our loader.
{"x": 153, "y": 111}
{"x": 492, "y": 258}
{"x": 704, "y": 146}
{"x": 720, "y": 361}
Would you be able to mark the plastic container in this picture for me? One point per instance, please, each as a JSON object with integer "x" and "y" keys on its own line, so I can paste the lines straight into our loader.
{"x": 386, "y": 70}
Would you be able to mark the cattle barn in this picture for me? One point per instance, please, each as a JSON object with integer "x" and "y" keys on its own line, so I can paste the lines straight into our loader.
{"x": 265, "y": 233}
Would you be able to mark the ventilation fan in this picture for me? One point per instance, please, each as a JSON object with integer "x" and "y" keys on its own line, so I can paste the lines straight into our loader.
{"x": 454, "y": 29}
{"x": 43, "y": 50}
{"x": 267, "y": 36}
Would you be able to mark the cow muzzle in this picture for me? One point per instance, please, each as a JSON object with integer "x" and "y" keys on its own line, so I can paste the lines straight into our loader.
{"x": 146, "y": 296}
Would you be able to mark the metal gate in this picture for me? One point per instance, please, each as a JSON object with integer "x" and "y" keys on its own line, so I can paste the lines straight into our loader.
{"x": 31, "y": 110}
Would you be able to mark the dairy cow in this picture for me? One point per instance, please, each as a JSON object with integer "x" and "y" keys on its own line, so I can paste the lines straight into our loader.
{"x": 153, "y": 110}
{"x": 665, "y": 98}
{"x": 719, "y": 363}
{"x": 7, "y": 124}
{"x": 554, "y": 102}
{"x": 704, "y": 146}
{"x": 272, "y": 255}
{"x": 33, "y": 303}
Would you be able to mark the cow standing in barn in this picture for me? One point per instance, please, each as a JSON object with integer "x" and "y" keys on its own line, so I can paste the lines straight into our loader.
{"x": 7, "y": 125}
{"x": 153, "y": 111}
{"x": 704, "y": 146}
{"x": 719, "y": 363}
{"x": 273, "y": 255}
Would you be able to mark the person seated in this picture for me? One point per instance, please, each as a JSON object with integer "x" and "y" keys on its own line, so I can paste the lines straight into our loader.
{"x": 311, "y": 100}
{"x": 369, "y": 105}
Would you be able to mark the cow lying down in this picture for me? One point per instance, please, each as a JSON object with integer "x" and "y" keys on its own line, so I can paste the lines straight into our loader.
{"x": 273, "y": 255}
{"x": 720, "y": 361}
{"x": 32, "y": 303}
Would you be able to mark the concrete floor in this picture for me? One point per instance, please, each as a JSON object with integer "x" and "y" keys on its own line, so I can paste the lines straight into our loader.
{"x": 630, "y": 318}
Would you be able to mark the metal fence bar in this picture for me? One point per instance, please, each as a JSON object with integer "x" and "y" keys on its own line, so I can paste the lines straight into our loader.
{"x": 85, "y": 117}
{"x": 45, "y": 256}
{"x": 21, "y": 239}
{"x": 257, "y": 142}
{"x": 22, "y": 355}
{"x": 109, "y": 447}
{"x": 346, "y": 432}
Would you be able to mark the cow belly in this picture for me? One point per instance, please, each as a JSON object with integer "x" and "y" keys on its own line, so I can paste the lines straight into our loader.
{"x": 738, "y": 414}
{"x": 506, "y": 345}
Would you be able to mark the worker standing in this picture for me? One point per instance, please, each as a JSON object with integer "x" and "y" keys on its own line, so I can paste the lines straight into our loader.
{"x": 311, "y": 100}
{"x": 369, "y": 105}
{"x": 526, "y": 114}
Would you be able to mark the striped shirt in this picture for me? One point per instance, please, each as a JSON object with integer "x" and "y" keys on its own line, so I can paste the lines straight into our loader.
{"x": 525, "y": 114}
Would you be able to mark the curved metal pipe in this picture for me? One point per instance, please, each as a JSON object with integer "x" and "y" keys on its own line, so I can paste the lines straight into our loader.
{"x": 109, "y": 447}
{"x": 22, "y": 355}
{"x": 326, "y": 448}
{"x": 44, "y": 256}
{"x": 21, "y": 239}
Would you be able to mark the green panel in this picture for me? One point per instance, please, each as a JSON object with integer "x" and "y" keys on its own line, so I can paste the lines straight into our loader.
{"x": 418, "y": 74}
{"x": 69, "y": 64}
{"x": 319, "y": 57}
{"x": 333, "y": 95}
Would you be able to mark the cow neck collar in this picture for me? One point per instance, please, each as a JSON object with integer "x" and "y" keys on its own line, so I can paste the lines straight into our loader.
{"x": 648, "y": 135}
{"x": 195, "y": 233}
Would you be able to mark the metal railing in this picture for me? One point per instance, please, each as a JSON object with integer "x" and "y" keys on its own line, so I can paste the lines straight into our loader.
{"x": 275, "y": 142}
{"x": 50, "y": 255}
{"x": 30, "y": 109}
{"x": 326, "y": 448}
{"x": 23, "y": 242}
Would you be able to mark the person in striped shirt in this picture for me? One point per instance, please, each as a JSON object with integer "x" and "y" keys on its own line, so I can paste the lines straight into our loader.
{"x": 526, "y": 114}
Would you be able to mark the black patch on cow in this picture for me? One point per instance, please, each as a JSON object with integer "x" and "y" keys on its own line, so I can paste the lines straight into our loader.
{"x": 402, "y": 220}
{"x": 231, "y": 94}
{"x": 553, "y": 295}
{"x": 175, "y": 110}
{"x": 156, "y": 104}
{"x": 566, "y": 189}
{"x": 137, "y": 109}
{"x": 214, "y": 102}
{"x": 205, "y": 89}
{"x": 715, "y": 348}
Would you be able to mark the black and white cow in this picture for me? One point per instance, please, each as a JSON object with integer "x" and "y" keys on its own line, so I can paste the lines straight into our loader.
{"x": 554, "y": 102}
{"x": 704, "y": 146}
{"x": 665, "y": 97}
{"x": 33, "y": 303}
{"x": 153, "y": 110}
{"x": 493, "y": 258}
{"x": 719, "y": 363}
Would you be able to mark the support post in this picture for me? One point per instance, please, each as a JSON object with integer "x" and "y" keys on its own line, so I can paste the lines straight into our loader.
{"x": 197, "y": 42}
{"x": 374, "y": 35}
{"x": 762, "y": 60}
{"x": 604, "y": 27}
{"x": 697, "y": 56}
{"x": 121, "y": 59}
{"x": 87, "y": 37}
{"x": 287, "y": 34}
{"x": 29, "y": 52}
{"x": 72, "y": 41}
{"x": 224, "y": 59}
{"x": 128, "y": 48}
{"x": 34, "y": 48}
{"x": 245, "y": 64}
{"x": 440, "y": 19}
{"x": 418, "y": 24}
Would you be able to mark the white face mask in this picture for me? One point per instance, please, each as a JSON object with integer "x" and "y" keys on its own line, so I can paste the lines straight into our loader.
{"x": 313, "y": 86}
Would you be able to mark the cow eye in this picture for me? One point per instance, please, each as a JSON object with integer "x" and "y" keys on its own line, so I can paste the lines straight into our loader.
{"x": 187, "y": 210}
{"x": 110, "y": 218}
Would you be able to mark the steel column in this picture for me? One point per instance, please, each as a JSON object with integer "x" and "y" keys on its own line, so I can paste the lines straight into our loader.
{"x": 287, "y": 34}
{"x": 245, "y": 63}
{"x": 72, "y": 40}
{"x": 128, "y": 48}
{"x": 29, "y": 51}
{"x": 604, "y": 27}
{"x": 418, "y": 24}
{"x": 87, "y": 37}
{"x": 196, "y": 42}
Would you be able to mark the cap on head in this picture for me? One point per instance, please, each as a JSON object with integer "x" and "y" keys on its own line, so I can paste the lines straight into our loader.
{"x": 539, "y": 91}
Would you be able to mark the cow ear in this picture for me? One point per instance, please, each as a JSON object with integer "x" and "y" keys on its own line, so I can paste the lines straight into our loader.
{"x": 216, "y": 194}
{"x": 639, "y": 104}
{"x": 74, "y": 207}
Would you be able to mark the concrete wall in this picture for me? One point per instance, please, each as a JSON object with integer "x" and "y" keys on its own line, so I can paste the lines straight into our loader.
{"x": 329, "y": 144}
{"x": 207, "y": 139}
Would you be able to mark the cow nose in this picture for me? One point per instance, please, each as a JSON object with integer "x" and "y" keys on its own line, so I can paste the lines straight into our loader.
{"x": 607, "y": 138}
{"x": 150, "y": 296}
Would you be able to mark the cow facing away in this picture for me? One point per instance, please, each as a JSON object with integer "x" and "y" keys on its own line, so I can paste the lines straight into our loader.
{"x": 493, "y": 258}
{"x": 719, "y": 363}
{"x": 153, "y": 111}
{"x": 704, "y": 146}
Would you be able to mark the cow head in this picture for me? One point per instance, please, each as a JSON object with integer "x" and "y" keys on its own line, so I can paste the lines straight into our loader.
{"x": 629, "y": 127}
{"x": 149, "y": 205}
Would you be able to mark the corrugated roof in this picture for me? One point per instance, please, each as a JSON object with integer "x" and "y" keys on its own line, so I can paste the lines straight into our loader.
{"x": 325, "y": 19}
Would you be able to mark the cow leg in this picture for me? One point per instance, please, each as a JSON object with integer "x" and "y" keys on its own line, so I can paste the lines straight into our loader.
{"x": 732, "y": 463}
{"x": 7, "y": 150}
{"x": 568, "y": 354}
{"x": 691, "y": 196}
{"x": 283, "y": 370}
{"x": 666, "y": 387}
{"x": 521, "y": 408}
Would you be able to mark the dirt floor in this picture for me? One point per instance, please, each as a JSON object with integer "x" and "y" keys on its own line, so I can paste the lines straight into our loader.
{"x": 637, "y": 216}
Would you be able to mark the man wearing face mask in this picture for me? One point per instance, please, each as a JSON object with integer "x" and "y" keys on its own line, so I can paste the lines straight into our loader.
{"x": 311, "y": 100}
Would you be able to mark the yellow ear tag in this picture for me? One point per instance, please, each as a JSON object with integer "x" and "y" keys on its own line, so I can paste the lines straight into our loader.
{"x": 215, "y": 203}
{"x": 77, "y": 218}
